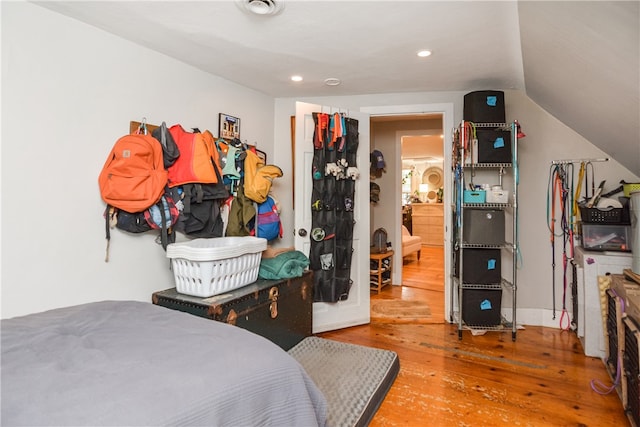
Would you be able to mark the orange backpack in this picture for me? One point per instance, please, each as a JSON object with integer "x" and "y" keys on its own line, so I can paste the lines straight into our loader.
{"x": 133, "y": 177}
{"x": 199, "y": 161}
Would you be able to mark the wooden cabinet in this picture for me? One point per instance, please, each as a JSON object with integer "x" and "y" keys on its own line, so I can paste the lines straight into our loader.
{"x": 428, "y": 223}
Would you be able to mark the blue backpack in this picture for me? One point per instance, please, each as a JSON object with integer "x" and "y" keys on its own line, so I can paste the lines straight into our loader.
{"x": 268, "y": 220}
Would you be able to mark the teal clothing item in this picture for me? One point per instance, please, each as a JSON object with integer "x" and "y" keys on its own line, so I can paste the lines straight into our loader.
{"x": 284, "y": 266}
{"x": 230, "y": 167}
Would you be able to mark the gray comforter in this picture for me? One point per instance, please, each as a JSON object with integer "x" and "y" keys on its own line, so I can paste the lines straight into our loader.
{"x": 131, "y": 363}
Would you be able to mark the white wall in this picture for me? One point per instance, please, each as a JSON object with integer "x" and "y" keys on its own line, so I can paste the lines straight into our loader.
{"x": 68, "y": 92}
{"x": 547, "y": 139}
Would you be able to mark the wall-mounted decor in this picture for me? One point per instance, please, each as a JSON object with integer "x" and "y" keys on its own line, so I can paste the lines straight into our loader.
{"x": 229, "y": 127}
{"x": 434, "y": 177}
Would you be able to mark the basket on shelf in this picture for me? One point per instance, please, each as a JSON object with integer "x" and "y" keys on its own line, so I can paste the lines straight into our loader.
{"x": 601, "y": 216}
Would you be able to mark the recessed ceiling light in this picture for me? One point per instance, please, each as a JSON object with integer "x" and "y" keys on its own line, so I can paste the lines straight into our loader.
{"x": 296, "y": 78}
{"x": 261, "y": 7}
{"x": 424, "y": 53}
{"x": 332, "y": 81}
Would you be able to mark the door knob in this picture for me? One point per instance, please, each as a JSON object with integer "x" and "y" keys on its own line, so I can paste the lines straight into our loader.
{"x": 302, "y": 232}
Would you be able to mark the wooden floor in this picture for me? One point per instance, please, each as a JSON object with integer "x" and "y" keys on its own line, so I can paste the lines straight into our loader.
{"x": 542, "y": 379}
{"x": 425, "y": 279}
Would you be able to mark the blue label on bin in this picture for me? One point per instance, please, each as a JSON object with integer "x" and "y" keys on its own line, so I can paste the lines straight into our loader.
{"x": 491, "y": 264}
{"x": 499, "y": 142}
{"x": 485, "y": 305}
{"x": 492, "y": 101}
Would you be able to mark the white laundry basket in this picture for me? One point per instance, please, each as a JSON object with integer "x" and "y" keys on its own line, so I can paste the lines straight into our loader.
{"x": 207, "y": 267}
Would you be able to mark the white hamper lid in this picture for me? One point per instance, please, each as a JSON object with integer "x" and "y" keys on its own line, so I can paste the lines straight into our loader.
{"x": 216, "y": 248}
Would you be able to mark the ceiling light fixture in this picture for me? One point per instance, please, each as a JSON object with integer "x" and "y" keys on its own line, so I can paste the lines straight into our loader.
{"x": 296, "y": 78}
{"x": 332, "y": 81}
{"x": 261, "y": 7}
{"x": 424, "y": 53}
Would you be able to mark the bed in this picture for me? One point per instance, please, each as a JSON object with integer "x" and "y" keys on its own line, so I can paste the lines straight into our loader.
{"x": 134, "y": 363}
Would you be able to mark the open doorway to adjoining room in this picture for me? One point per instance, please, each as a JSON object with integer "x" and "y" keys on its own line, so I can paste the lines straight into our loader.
{"x": 418, "y": 177}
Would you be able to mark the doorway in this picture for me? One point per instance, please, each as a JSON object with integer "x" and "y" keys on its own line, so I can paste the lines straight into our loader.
{"x": 421, "y": 169}
{"x": 392, "y": 218}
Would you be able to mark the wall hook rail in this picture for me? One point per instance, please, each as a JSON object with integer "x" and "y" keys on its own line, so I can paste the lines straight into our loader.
{"x": 564, "y": 162}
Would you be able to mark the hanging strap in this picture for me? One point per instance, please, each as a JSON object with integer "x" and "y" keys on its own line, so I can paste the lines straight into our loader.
{"x": 566, "y": 180}
{"x": 111, "y": 218}
{"x": 552, "y": 191}
{"x": 255, "y": 222}
{"x": 576, "y": 196}
{"x": 163, "y": 136}
{"x": 588, "y": 196}
{"x": 571, "y": 211}
{"x": 107, "y": 230}
{"x": 164, "y": 232}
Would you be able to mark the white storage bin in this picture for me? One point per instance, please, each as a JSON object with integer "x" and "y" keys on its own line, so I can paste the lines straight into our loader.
{"x": 497, "y": 196}
{"x": 207, "y": 267}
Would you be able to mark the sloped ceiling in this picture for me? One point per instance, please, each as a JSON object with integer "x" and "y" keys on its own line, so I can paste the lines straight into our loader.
{"x": 578, "y": 60}
{"x": 581, "y": 65}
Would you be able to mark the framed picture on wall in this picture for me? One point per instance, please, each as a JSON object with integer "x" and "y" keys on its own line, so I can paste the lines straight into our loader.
{"x": 229, "y": 127}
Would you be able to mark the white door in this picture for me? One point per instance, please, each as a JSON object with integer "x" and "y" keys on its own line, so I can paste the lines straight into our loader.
{"x": 354, "y": 310}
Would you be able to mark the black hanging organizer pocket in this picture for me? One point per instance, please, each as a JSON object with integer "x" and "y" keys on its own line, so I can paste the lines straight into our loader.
{"x": 332, "y": 203}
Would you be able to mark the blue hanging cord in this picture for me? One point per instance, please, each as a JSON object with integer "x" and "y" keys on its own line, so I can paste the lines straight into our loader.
{"x": 459, "y": 187}
{"x": 516, "y": 180}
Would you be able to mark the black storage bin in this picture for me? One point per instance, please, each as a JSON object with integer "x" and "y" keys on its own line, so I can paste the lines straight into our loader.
{"x": 484, "y": 106}
{"x": 480, "y": 266}
{"x": 601, "y": 216}
{"x": 494, "y": 146}
{"x": 481, "y": 307}
{"x": 483, "y": 226}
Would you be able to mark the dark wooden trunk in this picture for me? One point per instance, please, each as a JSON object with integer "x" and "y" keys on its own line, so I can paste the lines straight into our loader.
{"x": 280, "y": 310}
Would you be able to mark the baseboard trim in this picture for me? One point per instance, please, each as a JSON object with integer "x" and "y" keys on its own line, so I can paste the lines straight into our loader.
{"x": 539, "y": 317}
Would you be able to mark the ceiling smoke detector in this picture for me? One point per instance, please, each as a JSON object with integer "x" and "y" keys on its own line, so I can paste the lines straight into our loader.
{"x": 261, "y": 7}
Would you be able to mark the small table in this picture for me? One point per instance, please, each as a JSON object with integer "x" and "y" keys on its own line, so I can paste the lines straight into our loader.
{"x": 380, "y": 270}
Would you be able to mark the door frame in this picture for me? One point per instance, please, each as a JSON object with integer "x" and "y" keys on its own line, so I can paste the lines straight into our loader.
{"x": 447, "y": 111}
